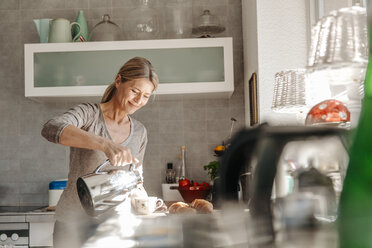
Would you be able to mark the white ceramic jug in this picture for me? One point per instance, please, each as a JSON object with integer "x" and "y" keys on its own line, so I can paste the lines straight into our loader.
{"x": 60, "y": 31}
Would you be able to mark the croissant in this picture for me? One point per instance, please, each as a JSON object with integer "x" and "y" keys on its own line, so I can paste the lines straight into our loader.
{"x": 202, "y": 206}
{"x": 186, "y": 210}
{"x": 181, "y": 208}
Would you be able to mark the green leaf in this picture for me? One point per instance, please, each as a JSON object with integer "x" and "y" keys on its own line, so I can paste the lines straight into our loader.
{"x": 212, "y": 169}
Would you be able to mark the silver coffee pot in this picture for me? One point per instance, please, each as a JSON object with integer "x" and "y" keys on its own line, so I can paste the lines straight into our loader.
{"x": 101, "y": 191}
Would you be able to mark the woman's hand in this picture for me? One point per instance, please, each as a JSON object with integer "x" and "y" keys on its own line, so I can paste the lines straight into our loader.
{"x": 117, "y": 154}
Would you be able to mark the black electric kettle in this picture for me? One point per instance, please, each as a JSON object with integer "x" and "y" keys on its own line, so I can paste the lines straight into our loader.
{"x": 259, "y": 150}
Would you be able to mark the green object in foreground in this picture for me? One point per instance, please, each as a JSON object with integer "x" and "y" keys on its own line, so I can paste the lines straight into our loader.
{"x": 355, "y": 218}
{"x": 212, "y": 169}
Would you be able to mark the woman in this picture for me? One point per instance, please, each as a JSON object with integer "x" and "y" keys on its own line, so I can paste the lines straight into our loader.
{"x": 96, "y": 132}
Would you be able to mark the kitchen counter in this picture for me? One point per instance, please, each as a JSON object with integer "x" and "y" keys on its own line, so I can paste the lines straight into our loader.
{"x": 20, "y": 215}
{"x": 27, "y": 217}
{"x": 21, "y": 209}
{"x": 165, "y": 230}
{"x": 28, "y": 213}
{"x": 222, "y": 228}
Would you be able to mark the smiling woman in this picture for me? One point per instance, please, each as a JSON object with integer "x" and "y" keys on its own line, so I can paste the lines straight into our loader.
{"x": 95, "y": 133}
{"x": 130, "y": 71}
{"x": 133, "y": 94}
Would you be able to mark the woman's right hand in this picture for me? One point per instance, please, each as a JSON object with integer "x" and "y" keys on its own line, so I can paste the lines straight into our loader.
{"x": 117, "y": 154}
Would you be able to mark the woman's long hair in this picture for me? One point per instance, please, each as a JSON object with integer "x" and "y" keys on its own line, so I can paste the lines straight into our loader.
{"x": 134, "y": 68}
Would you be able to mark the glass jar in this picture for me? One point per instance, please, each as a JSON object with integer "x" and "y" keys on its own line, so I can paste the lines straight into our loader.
{"x": 178, "y": 18}
{"x": 105, "y": 30}
{"x": 207, "y": 25}
{"x": 143, "y": 21}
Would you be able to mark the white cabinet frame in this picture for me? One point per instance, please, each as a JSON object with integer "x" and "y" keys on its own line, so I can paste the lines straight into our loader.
{"x": 208, "y": 89}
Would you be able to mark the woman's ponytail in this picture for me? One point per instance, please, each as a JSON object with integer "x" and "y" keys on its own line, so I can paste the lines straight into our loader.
{"x": 109, "y": 93}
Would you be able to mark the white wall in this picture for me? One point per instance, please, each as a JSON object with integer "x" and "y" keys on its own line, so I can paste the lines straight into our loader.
{"x": 249, "y": 18}
{"x": 279, "y": 34}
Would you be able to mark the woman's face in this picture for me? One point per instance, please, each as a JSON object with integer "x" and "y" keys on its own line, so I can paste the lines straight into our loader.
{"x": 133, "y": 95}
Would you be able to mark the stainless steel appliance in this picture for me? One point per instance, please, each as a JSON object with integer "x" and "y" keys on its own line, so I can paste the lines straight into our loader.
{"x": 101, "y": 191}
{"x": 14, "y": 230}
{"x": 297, "y": 172}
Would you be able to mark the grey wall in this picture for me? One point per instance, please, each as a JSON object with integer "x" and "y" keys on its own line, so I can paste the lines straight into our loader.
{"x": 28, "y": 162}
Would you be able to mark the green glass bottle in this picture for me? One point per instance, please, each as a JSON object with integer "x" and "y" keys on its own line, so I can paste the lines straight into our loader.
{"x": 355, "y": 210}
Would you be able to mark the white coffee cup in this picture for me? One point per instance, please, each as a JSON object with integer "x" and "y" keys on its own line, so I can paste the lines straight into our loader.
{"x": 147, "y": 205}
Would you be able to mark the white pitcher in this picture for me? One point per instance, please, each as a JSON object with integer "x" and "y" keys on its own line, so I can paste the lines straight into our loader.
{"x": 60, "y": 31}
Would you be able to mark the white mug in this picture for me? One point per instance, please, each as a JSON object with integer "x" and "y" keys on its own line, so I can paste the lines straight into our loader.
{"x": 147, "y": 205}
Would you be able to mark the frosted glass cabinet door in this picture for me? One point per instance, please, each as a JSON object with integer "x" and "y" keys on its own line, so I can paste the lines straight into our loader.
{"x": 184, "y": 66}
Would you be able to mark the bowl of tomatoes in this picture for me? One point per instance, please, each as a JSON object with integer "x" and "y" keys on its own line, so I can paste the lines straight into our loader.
{"x": 191, "y": 190}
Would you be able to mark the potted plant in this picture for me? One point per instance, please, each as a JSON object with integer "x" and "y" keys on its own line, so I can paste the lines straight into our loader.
{"x": 212, "y": 169}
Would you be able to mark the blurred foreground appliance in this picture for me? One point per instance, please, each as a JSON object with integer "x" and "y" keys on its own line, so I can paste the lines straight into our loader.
{"x": 297, "y": 176}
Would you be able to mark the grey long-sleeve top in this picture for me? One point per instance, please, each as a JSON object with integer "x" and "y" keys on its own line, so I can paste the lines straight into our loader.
{"x": 88, "y": 117}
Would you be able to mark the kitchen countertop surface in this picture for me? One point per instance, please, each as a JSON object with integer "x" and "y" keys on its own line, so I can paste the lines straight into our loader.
{"x": 225, "y": 228}
{"x": 25, "y": 210}
{"x": 32, "y": 214}
{"x": 28, "y": 213}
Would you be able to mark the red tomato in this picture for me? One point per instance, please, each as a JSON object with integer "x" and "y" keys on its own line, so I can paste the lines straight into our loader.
{"x": 184, "y": 183}
{"x": 206, "y": 185}
{"x": 195, "y": 184}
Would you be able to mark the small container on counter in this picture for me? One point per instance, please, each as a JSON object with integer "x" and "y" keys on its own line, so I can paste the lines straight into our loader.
{"x": 170, "y": 174}
{"x": 56, "y": 189}
{"x": 170, "y": 195}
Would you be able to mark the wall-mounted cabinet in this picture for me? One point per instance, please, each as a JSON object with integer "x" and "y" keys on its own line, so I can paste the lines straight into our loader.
{"x": 191, "y": 67}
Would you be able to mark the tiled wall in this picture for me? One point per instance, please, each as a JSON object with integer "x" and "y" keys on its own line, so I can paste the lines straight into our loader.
{"x": 28, "y": 162}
